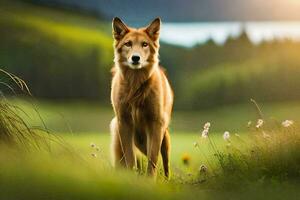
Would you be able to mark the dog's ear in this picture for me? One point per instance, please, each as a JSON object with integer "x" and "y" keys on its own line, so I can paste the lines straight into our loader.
{"x": 119, "y": 28}
{"x": 153, "y": 28}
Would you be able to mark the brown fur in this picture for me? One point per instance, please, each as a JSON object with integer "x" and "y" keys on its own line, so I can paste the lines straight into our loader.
{"x": 142, "y": 99}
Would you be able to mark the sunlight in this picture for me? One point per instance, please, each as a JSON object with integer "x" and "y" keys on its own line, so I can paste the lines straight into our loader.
{"x": 295, "y": 1}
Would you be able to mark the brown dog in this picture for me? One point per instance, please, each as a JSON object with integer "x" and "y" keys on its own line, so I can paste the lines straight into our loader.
{"x": 141, "y": 97}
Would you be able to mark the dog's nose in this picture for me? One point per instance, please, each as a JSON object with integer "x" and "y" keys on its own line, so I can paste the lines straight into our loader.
{"x": 135, "y": 58}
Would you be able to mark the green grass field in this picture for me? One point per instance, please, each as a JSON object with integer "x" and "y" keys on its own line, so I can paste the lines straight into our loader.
{"x": 256, "y": 163}
{"x": 249, "y": 166}
{"x": 76, "y": 116}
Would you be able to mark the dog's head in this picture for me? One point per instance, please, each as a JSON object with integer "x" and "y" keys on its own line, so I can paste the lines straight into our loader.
{"x": 136, "y": 48}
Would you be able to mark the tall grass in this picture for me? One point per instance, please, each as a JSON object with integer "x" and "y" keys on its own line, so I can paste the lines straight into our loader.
{"x": 268, "y": 154}
{"x": 14, "y": 130}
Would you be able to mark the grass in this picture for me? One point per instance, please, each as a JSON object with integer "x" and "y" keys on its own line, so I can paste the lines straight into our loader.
{"x": 68, "y": 170}
{"x": 247, "y": 165}
{"x": 82, "y": 116}
{"x": 61, "y": 175}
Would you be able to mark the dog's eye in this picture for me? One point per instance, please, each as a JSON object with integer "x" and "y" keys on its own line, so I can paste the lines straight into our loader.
{"x": 128, "y": 44}
{"x": 144, "y": 44}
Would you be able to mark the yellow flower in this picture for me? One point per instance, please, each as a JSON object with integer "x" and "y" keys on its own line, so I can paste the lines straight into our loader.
{"x": 186, "y": 159}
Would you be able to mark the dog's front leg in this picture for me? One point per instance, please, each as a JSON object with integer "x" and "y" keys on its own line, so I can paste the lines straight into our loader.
{"x": 126, "y": 141}
{"x": 154, "y": 140}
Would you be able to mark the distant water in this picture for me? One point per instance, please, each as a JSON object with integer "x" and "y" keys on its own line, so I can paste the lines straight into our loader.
{"x": 189, "y": 34}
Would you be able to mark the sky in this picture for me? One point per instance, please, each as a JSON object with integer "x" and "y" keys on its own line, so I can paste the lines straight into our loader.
{"x": 140, "y": 11}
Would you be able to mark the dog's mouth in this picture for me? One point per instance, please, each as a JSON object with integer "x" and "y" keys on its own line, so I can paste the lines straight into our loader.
{"x": 135, "y": 65}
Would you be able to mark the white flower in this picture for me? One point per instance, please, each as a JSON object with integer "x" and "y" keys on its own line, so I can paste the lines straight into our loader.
{"x": 93, "y": 145}
{"x": 226, "y": 135}
{"x": 206, "y": 125}
{"x": 202, "y": 169}
{"x": 205, "y": 130}
{"x": 287, "y": 123}
{"x": 259, "y": 123}
{"x": 94, "y": 155}
{"x": 204, "y": 133}
{"x": 265, "y": 135}
{"x": 249, "y": 124}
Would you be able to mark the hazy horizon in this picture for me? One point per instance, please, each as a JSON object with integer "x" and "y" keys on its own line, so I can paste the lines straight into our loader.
{"x": 189, "y": 34}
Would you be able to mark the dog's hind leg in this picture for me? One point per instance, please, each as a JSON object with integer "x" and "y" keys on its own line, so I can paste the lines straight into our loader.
{"x": 165, "y": 153}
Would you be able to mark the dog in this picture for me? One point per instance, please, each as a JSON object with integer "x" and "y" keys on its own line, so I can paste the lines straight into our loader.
{"x": 141, "y": 97}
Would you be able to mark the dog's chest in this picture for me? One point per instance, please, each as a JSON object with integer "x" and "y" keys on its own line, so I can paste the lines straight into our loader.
{"x": 142, "y": 112}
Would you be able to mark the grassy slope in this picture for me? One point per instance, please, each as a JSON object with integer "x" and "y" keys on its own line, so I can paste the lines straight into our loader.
{"x": 74, "y": 31}
{"x": 58, "y": 53}
{"x": 62, "y": 24}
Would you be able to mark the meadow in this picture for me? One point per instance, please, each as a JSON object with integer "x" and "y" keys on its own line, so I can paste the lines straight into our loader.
{"x": 55, "y": 143}
{"x": 76, "y": 164}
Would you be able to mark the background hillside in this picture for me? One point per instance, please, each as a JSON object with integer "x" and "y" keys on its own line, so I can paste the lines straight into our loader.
{"x": 65, "y": 55}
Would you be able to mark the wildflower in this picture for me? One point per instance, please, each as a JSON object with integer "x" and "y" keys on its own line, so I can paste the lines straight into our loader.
{"x": 249, "y": 123}
{"x": 206, "y": 126}
{"x": 93, "y": 145}
{"x": 186, "y": 159}
{"x": 259, "y": 123}
{"x": 287, "y": 123}
{"x": 205, "y": 130}
{"x": 226, "y": 135}
{"x": 196, "y": 144}
{"x": 94, "y": 155}
{"x": 202, "y": 169}
{"x": 265, "y": 135}
{"x": 205, "y": 133}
